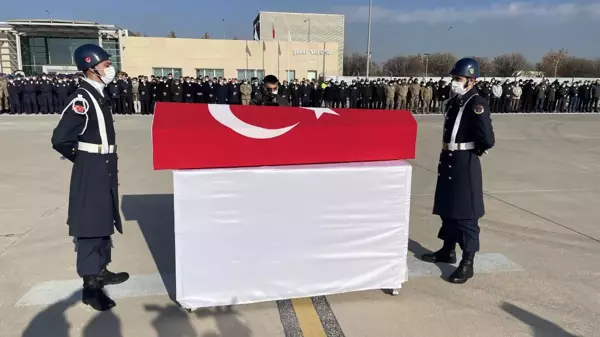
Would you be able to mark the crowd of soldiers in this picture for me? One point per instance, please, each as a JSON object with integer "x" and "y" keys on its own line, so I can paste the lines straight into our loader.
{"x": 528, "y": 96}
{"x": 47, "y": 94}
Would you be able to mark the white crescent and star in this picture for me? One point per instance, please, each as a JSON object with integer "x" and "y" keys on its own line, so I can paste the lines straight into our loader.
{"x": 222, "y": 113}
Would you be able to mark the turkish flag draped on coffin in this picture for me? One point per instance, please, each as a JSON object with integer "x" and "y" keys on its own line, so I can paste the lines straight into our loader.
{"x": 196, "y": 136}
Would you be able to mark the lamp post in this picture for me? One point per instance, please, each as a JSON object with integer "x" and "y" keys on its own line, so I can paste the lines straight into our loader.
{"x": 369, "y": 40}
{"x": 426, "y": 63}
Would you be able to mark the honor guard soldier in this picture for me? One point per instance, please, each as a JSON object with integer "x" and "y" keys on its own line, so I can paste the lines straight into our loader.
{"x": 467, "y": 135}
{"x": 85, "y": 135}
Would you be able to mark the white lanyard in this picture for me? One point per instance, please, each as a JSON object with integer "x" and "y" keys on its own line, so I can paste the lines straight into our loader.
{"x": 101, "y": 123}
{"x": 457, "y": 121}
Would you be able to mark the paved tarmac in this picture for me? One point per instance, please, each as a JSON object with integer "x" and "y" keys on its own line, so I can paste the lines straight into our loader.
{"x": 537, "y": 275}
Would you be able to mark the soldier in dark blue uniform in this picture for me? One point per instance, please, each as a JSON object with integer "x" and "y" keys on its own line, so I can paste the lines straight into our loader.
{"x": 468, "y": 134}
{"x": 85, "y": 135}
{"x": 15, "y": 88}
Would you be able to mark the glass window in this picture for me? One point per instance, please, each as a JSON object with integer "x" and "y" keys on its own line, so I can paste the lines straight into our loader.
{"x": 290, "y": 75}
{"x": 242, "y": 74}
{"x": 312, "y": 75}
{"x": 210, "y": 72}
{"x": 249, "y": 73}
{"x": 176, "y": 72}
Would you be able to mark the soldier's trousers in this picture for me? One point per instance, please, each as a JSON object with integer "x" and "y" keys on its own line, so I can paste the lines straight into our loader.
{"x": 145, "y": 106}
{"x": 465, "y": 232}
{"x": 123, "y": 108}
{"x": 115, "y": 105}
{"x": 46, "y": 105}
{"x": 389, "y": 103}
{"x": 426, "y": 105}
{"x": 30, "y": 104}
{"x": 414, "y": 103}
{"x": 401, "y": 103}
{"x": 60, "y": 103}
{"x": 15, "y": 104}
{"x": 93, "y": 254}
{"x": 4, "y": 98}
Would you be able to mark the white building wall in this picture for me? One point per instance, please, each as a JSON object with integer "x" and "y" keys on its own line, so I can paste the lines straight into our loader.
{"x": 305, "y": 27}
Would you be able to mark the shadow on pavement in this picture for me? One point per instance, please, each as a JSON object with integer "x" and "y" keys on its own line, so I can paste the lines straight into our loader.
{"x": 228, "y": 321}
{"x": 418, "y": 250}
{"x": 104, "y": 324}
{"x": 173, "y": 321}
{"x": 539, "y": 326}
{"x": 52, "y": 321}
{"x": 154, "y": 215}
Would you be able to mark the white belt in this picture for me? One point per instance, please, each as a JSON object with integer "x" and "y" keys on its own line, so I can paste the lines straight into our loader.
{"x": 95, "y": 148}
{"x": 458, "y": 146}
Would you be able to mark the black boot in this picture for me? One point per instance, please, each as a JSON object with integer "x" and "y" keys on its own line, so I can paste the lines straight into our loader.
{"x": 107, "y": 277}
{"x": 94, "y": 296}
{"x": 441, "y": 256}
{"x": 463, "y": 272}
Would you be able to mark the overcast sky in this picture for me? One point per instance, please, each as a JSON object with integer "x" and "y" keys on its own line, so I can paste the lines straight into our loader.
{"x": 482, "y": 28}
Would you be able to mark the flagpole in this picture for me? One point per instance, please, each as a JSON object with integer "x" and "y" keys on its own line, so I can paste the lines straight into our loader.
{"x": 247, "y": 49}
{"x": 369, "y": 40}
{"x": 287, "y": 50}
{"x": 278, "y": 59}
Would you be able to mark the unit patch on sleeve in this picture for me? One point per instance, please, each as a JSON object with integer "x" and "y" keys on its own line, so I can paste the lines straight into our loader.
{"x": 479, "y": 109}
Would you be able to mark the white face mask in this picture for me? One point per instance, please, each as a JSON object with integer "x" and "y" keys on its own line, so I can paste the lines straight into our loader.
{"x": 459, "y": 88}
{"x": 109, "y": 75}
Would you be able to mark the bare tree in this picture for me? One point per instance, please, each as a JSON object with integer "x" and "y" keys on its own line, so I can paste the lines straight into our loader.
{"x": 486, "y": 67}
{"x": 508, "y": 64}
{"x": 396, "y": 66}
{"x": 205, "y": 36}
{"x": 172, "y": 35}
{"x": 440, "y": 64}
{"x": 553, "y": 63}
{"x": 356, "y": 65}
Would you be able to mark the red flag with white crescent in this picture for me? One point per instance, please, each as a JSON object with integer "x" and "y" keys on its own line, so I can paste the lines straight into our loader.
{"x": 196, "y": 136}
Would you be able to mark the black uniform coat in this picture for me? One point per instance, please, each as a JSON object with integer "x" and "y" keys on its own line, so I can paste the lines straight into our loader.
{"x": 93, "y": 195}
{"x": 459, "y": 190}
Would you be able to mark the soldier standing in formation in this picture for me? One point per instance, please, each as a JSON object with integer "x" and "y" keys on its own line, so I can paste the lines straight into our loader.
{"x": 468, "y": 134}
{"x": 85, "y": 135}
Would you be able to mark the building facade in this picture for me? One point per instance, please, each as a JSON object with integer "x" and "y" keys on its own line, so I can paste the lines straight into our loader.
{"x": 228, "y": 58}
{"x": 304, "y": 46}
{"x": 302, "y": 27}
{"x": 46, "y": 46}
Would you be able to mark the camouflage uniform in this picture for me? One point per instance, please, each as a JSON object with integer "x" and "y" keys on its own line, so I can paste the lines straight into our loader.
{"x": 3, "y": 93}
{"x": 246, "y": 91}
{"x": 390, "y": 92}
{"x": 402, "y": 93}
{"x": 415, "y": 92}
{"x": 426, "y": 97}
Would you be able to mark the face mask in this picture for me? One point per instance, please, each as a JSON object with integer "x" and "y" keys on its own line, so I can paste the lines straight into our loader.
{"x": 109, "y": 75}
{"x": 459, "y": 88}
{"x": 44, "y": 78}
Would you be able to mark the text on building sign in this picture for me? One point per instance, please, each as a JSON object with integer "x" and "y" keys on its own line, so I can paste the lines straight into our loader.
{"x": 312, "y": 51}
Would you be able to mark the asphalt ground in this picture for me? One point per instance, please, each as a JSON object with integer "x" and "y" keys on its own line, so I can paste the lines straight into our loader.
{"x": 537, "y": 274}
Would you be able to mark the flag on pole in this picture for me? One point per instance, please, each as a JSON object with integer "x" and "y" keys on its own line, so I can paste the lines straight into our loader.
{"x": 279, "y": 48}
{"x": 248, "y": 50}
{"x": 256, "y": 36}
{"x": 289, "y": 36}
{"x": 264, "y": 46}
{"x": 273, "y": 25}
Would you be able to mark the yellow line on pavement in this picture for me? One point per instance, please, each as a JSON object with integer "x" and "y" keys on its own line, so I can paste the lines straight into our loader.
{"x": 308, "y": 318}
